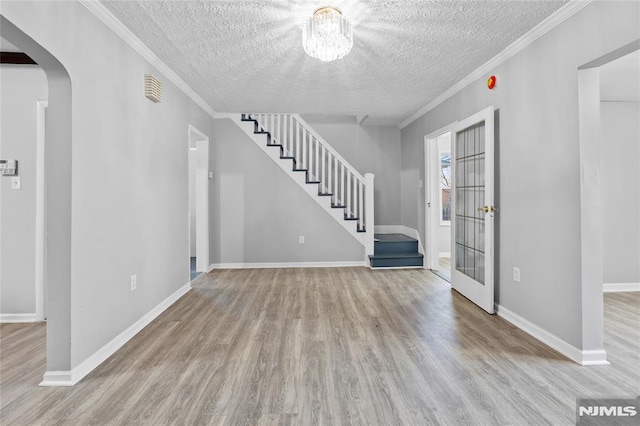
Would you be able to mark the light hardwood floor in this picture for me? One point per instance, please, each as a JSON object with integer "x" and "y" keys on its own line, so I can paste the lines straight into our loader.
{"x": 323, "y": 346}
{"x": 444, "y": 268}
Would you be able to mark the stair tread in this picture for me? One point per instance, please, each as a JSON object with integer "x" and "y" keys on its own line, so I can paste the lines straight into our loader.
{"x": 395, "y": 255}
{"x": 393, "y": 238}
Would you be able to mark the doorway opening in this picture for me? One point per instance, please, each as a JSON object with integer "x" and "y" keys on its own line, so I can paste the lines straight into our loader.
{"x": 597, "y": 186}
{"x": 439, "y": 181}
{"x": 198, "y": 166}
{"x": 53, "y": 188}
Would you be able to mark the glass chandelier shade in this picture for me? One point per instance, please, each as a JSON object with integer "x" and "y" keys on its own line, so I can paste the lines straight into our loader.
{"x": 327, "y": 35}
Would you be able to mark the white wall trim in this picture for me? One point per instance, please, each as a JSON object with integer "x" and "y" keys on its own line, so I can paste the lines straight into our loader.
{"x": 589, "y": 357}
{"x": 596, "y": 357}
{"x": 444, "y": 254}
{"x": 616, "y": 287}
{"x": 14, "y": 318}
{"x": 70, "y": 378}
{"x": 124, "y": 33}
{"x": 552, "y": 21}
{"x": 200, "y": 142}
{"x": 39, "y": 225}
{"x": 400, "y": 229}
{"x": 351, "y": 264}
{"x": 430, "y": 196}
{"x": 57, "y": 378}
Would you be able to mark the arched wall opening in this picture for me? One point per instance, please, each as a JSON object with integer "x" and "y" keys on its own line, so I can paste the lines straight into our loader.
{"x": 57, "y": 204}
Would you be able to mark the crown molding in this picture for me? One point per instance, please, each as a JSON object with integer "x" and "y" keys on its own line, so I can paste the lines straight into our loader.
{"x": 101, "y": 12}
{"x": 510, "y": 51}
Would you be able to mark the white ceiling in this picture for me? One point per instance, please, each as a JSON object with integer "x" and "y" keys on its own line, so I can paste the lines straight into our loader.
{"x": 247, "y": 55}
{"x": 620, "y": 79}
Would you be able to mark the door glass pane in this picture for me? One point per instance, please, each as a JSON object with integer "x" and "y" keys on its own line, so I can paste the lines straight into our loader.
{"x": 460, "y": 170}
{"x": 469, "y": 193}
{"x": 460, "y": 145}
{"x": 479, "y": 169}
{"x": 460, "y": 206}
{"x": 459, "y": 257}
{"x": 469, "y": 202}
{"x": 460, "y": 235}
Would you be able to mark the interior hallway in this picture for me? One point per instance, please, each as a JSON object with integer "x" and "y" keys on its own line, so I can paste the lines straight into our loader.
{"x": 323, "y": 346}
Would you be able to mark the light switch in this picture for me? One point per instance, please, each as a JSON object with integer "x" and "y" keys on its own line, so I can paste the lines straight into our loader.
{"x": 210, "y": 175}
{"x": 15, "y": 183}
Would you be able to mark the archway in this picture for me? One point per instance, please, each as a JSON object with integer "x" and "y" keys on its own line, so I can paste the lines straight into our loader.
{"x": 57, "y": 218}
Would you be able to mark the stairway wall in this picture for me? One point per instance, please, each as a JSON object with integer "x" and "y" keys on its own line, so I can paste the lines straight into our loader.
{"x": 370, "y": 149}
{"x": 256, "y": 210}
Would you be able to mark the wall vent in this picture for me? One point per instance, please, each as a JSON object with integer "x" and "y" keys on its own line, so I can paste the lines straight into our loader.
{"x": 152, "y": 88}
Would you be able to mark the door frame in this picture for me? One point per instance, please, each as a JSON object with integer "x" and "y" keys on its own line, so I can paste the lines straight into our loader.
{"x": 199, "y": 142}
{"x": 591, "y": 216}
{"x": 431, "y": 220}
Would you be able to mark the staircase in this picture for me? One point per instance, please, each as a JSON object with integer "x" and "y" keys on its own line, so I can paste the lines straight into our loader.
{"x": 395, "y": 251}
{"x": 317, "y": 168}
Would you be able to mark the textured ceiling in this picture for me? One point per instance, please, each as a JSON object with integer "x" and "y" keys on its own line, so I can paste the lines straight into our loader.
{"x": 247, "y": 55}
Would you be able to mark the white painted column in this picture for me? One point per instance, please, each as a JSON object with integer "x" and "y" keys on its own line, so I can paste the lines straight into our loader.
{"x": 369, "y": 215}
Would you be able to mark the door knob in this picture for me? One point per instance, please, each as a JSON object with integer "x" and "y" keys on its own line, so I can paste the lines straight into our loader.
{"x": 488, "y": 209}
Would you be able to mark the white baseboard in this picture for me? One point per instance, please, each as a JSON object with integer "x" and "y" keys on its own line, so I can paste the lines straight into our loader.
{"x": 286, "y": 265}
{"x": 70, "y": 378}
{"x": 14, "y": 318}
{"x": 400, "y": 229}
{"x": 587, "y": 357}
{"x": 57, "y": 378}
{"x": 596, "y": 357}
{"x": 616, "y": 287}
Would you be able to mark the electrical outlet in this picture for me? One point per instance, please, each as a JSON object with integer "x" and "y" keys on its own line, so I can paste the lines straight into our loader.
{"x": 516, "y": 274}
{"x": 134, "y": 282}
{"x": 16, "y": 184}
{"x": 301, "y": 239}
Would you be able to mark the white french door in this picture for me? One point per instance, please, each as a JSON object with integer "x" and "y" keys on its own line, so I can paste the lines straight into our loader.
{"x": 472, "y": 227}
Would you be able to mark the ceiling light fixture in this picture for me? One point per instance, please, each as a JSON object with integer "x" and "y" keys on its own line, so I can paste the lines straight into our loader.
{"x": 328, "y": 34}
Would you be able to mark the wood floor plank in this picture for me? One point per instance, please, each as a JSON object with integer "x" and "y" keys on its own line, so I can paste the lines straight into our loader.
{"x": 344, "y": 346}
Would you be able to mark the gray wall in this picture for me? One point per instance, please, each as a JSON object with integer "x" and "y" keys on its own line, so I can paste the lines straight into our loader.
{"x": 22, "y": 87}
{"x": 258, "y": 212}
{"x": 129, "y": 174}
{"x": 537, "y": 165}
{"x": 621, "y": 191}
{"x": 370, "y": 149}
